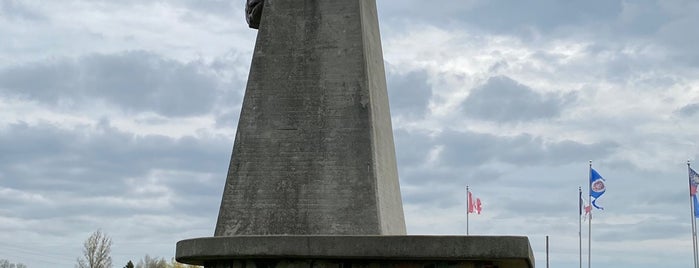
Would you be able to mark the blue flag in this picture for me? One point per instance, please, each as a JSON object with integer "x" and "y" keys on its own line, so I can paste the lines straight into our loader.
{"x": 696, "y": 206}
{"x": 597, "y": 187}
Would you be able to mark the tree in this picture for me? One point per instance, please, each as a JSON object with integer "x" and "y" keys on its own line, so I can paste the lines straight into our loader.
{"x": 149, "y": 262}
{"x": 96, "y": 251}
{"x": 7, "y": 264}
{"x": 129, "y": 265}
{"x": 175, "y": 264}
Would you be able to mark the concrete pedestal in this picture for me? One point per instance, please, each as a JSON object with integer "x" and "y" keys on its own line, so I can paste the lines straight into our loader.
{"x": 357, "y": 251}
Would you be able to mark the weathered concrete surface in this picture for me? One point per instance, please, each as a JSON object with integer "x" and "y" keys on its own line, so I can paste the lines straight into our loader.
{"x": 319, "y": 263}
{"x": 502, "y": 251}
{"x": 314, "y": 150}
{"x": 322, "y": 263}
{"x": 313, "y": 181}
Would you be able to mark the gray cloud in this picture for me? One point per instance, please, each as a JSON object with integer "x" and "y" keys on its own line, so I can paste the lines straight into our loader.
{"x": 412, "y": 147}
{"x": 236, "y": 66}
{"x": 505, "y": 100}
{"x": 545, "y": 15}
{"x": 196, "y": 10}
{"x": 653, "y": 228}
{"x": 637, "y": 18}
{"x": 135, "y": 81}
{"x": 218, "y": 7}
{"x": 15, "y": 9}
{"x": 506, "y": 16}
{"x": 472, "y": 149}
{"x": 681, "y": 39}
{"x": 641, "y": 18}
{"x": 689, "y": 109}
{"x": 102, "y": 162}
{"x": 409, "y": 93}
{"x": 663, "y": 26}
{"x": 228, "y": 119}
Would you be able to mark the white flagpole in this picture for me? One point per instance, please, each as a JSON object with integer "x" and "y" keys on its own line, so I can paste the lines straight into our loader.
{"x": 589, "y": 222}
{"x": 694, "y": 226}
{"x": 468, "y": 206}
{"x": 580, "y": 209}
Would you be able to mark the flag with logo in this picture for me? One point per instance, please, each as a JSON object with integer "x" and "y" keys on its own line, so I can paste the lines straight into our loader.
{"x": 693, "y": 183}
{"x": 597, "y": 187}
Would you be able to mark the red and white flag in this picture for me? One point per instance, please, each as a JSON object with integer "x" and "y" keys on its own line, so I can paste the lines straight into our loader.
{"x": 474, "y": 207}
{"x": 584, "y": 207}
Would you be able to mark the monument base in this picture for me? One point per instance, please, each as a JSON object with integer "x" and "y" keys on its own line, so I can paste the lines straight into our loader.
{"x": 380, "y": 251}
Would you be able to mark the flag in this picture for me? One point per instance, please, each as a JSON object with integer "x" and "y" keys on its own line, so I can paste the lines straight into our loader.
{"x": 474, "y": 207}
{"x": 588, "y": 208}
{"x": 693, "y": 182}
{"x": 580, "y": 203}
{"x": 583, "y": 207}
{"x": 478, "y": 206}
{"x": 470, "y": 202}
{"x": 597, "y": 187}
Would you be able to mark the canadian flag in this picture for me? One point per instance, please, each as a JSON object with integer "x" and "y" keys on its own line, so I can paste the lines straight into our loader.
{"x": 474, "y": 207}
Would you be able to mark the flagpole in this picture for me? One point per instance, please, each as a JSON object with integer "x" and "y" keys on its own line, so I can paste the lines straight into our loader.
{"x": 468, "y": 206}
{"x": 547, "y": 251}
{"x": 580, "y": 208}
{"x": 694, "y": 226}
{"x": 589, "y": 222}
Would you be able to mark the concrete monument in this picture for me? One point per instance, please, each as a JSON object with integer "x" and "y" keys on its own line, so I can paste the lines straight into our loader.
{"x": 312, "y": 180}
{"x": 314, "y": 152}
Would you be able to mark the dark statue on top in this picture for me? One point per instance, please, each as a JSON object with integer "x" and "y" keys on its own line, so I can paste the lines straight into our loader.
{"x": 253, "y": 12}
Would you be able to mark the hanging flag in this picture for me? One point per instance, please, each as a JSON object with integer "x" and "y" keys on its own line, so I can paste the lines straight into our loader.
{"x": 470, "y": 203}
{"x": 478, "y": 206}
{"x": 474, "y": 207}
{"x": 588, "y": 208}
{"x": 583, "y": 207}
{"x": 693, "y": 182}
{"x": 597, "y": 187}
{"x": 580, "y": 204}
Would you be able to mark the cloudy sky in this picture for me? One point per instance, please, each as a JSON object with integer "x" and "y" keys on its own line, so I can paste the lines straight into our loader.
{"x": 120, "y": 116}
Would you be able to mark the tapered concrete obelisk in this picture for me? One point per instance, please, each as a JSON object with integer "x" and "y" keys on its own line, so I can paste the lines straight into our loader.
{"x": 314, "y": 150}
{"x": 312, "y": 181}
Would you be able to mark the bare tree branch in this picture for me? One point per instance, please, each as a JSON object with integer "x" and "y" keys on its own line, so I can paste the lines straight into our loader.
{"x": 96, "y": 251}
